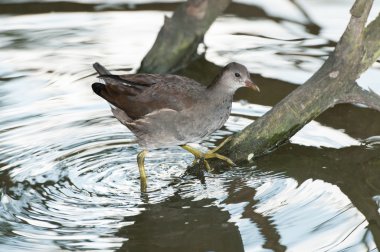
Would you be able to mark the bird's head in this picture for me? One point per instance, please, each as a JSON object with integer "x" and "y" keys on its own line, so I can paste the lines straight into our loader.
{"x": 235, "y": 76}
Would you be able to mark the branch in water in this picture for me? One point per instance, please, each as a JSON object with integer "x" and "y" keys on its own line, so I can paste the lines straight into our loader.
{"x": 178, "y": 40}
{"x": 361, "y": 96}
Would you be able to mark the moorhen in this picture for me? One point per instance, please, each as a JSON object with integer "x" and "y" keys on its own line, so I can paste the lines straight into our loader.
{"x": 166, "y": 110}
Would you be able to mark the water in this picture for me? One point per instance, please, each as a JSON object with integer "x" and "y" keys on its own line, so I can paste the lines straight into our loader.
{"x": 68, "y": 173}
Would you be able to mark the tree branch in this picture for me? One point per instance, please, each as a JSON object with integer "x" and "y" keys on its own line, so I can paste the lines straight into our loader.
{"x": 361, "y": 7}
{"x": 333, "y": 83}
{"x": 371, "y": 44}
{"x": 179, "y": 37}
{"x": 361, "y": 96}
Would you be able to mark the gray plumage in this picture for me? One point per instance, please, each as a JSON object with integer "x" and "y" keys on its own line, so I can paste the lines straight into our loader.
{"x": 166, "y": 110}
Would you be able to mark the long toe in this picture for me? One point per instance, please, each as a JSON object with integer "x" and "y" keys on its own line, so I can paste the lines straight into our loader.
{"x": 207, "y": 165}
{"x": 212, "y": 154}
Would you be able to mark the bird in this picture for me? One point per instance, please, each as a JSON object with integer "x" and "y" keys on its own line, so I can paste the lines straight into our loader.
{"x": 165, "y": 110}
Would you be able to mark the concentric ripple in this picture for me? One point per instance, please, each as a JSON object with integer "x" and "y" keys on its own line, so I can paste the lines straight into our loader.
{"x": 78, "y": 189}
{"x": 68, "y": 172}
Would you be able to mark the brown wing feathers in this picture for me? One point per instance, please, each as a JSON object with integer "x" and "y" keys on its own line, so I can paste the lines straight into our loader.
{"x": 141, "y": 94}
{"x": 125, "y": 79}
{"x": 120, "y": 90}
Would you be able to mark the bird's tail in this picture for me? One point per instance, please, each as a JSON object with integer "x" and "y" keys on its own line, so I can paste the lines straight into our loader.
{"x": 101, "y": 69}
{"x": 99, "y": 87}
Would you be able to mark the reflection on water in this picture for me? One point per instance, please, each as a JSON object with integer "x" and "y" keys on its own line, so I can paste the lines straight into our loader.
{"x": 68, "y": 175}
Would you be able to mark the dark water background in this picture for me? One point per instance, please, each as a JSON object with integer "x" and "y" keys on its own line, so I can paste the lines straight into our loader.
{"x": 68, "y": 173}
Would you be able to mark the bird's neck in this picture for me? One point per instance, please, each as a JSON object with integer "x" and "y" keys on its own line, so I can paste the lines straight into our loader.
{"x": 220, "y": 91}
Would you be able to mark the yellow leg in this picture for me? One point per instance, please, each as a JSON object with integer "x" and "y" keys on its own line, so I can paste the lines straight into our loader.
{"x": 208, "y": 155}
{"x": 221, "y": 145}
{"x": 140, "y": 163}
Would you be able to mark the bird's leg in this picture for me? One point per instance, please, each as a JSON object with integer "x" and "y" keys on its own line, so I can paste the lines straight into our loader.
{"x": 140, "y": 163}
{"x": 221, "y": 145}
{"x": 208, "y": 155}
{"x": 212, "y": 153}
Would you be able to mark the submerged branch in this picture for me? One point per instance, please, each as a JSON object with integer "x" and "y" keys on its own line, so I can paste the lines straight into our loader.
{"x": 333, "y": 83}
{"x": 178, "y": 40}
{"x": 361, "y": 96}
{"x": 371, "y": 44}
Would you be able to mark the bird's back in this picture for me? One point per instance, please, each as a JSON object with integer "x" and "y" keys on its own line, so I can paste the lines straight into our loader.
{"x": 140, "y": 94}
{"x": 167, "y": 110}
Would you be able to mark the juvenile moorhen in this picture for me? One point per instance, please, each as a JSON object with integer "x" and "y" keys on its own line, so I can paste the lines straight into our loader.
{"x": 167, "y": 110}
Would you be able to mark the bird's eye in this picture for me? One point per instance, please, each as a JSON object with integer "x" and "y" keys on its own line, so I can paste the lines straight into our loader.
{"x": 237, "y": 75}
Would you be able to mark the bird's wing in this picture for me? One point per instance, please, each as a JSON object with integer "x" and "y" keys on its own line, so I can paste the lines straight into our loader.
{"x": 141, "y": 94}
{"x": 130, "y": 85}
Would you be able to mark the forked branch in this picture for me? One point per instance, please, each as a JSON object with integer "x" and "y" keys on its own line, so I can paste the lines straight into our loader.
{"x": 333, "y": 83}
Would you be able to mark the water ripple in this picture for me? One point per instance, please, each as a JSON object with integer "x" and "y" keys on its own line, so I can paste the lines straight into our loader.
{"x": 68, "y": 171}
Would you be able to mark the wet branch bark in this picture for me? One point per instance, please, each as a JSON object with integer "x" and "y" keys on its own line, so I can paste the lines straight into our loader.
{"x": 333, "y": 83}
{"x": 360, "y": 96}
{"x": 179, "y": 37}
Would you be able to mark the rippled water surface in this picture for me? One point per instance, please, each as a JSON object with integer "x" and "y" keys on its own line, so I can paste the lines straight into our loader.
{"x": 68, "y": 172}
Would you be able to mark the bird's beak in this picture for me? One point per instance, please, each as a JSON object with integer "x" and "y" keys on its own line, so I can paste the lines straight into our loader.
{"x": 251, "y": 85}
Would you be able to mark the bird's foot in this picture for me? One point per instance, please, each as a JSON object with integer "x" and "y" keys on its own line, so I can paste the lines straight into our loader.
{"x": 208, "y": 155}
{"x": 211, "y": 154}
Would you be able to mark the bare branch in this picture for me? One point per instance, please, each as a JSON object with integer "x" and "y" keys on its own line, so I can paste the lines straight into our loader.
{"x": 371, "y": 44}
{"x": 179, "y": 37}
{"x": 359, "y": 8}
{"x": 334, "y": 82}
{"x": 361, "y": 96}
{"x": 351, "y": 42}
